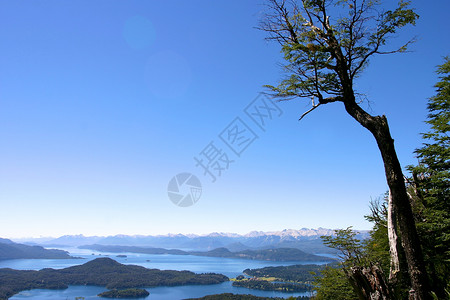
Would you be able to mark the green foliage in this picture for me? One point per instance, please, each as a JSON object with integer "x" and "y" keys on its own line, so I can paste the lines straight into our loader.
{"x": 377, "y": 246}
{"x": 373, "y": 251}
{"x": 332, "y": 285}
{"x": 430, "y": 185}
{"x": 334, "y": 282}
{"x": 317, "y": 49}
{"x": 350, "y": 247}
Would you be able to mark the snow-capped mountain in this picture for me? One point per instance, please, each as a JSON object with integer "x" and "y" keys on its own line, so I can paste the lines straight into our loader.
{"x": 305, "y": 239}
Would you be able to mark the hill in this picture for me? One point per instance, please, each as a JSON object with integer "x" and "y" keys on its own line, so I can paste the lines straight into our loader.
{"x": 11, "y": 250}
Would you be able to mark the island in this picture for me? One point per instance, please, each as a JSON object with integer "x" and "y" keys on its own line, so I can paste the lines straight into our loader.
{"x": 121, "y": 255}
{"x": 104, "y": 272}
{"x": 127, "y": 293}
{"x": 294, "y": 278}
{"x": 276, "y": 254}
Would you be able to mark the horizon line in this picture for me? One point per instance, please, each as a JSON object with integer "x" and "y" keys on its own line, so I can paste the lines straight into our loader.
{"x": 175, "y": 234}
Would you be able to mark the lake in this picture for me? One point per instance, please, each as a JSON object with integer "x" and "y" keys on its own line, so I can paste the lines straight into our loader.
{"x": 198, "y": 264}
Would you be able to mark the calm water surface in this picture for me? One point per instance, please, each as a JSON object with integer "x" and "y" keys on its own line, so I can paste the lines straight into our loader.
{"x": 197, "y": 264}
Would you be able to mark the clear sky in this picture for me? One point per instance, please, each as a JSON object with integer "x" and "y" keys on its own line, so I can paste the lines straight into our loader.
{"x": 103, "y": 102}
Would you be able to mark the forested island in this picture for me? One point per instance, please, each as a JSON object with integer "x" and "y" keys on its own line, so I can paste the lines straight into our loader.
{"x": 99, "y": 272}
{"x": 127, "y": 293}
{"x": 278, "y": 254}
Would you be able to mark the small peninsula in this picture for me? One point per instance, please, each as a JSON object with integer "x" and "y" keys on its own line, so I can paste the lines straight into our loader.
{"x": 11, "y": 250}
{"x": 294, "y": 278}
{"x": 292, "y": 273}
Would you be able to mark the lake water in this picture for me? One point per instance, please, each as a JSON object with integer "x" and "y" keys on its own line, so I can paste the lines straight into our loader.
{"x": 197, "y": 264}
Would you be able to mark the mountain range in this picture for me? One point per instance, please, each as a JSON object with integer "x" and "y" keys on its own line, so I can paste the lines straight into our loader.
{"x": 307, "y": 240}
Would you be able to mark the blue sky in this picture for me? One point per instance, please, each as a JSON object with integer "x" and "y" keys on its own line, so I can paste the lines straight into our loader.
{"x": 102, "y": 103}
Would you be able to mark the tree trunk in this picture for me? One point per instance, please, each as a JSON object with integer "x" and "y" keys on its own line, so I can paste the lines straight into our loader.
{"x": 393, "y": 239}
{"x": 402, "y": 206}
{"x": 369, "y": 283}
{"x": 379, "y": 128}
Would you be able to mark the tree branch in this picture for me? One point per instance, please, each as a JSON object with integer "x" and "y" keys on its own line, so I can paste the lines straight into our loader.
{"x": 309, "y": 110}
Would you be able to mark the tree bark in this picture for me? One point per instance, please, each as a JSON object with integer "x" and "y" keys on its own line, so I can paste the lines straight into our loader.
{"x": 369, "y": 283}
{"x": 393, "y": 239}
{"x": 379, "y": 128}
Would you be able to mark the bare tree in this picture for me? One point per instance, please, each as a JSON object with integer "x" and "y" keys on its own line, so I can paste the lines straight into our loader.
{"x": 323, "y": 57}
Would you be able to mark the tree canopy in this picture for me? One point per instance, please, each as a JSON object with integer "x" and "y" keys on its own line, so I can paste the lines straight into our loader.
{"x": 430, "y": 185}
{"x": 324, "y": 55}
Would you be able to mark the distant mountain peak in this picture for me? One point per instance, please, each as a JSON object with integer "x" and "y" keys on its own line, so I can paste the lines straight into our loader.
{"x": 72, "y": 236}
{"x": 174, "y": 235}
{"x": 255, "y": 234}
{"x": 304, "y": 232}
{"x": 222, "y": 234}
